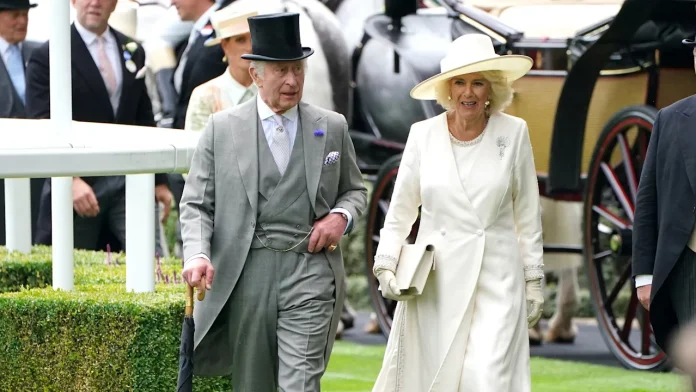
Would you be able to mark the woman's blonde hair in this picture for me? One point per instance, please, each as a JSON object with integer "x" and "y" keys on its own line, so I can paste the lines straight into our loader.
{"x": 500, "y": 94}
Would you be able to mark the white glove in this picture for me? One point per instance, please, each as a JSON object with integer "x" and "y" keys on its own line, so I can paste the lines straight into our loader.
{"x": 387, "y": 281}
{"x": 535, "y": 300}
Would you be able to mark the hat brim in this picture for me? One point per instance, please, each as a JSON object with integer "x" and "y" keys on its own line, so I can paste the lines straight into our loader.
{"x": 512, "y": 67}
{"x": 689, "y": 42}
{"x": 217, "y": 40}
{"x": 306, "y": 52}
{"x": 6, "y": 7}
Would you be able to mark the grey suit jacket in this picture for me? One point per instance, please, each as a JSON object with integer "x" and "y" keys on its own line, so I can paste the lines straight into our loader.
{"x": 10, "y": 104}
{"x": 219, "y": 202}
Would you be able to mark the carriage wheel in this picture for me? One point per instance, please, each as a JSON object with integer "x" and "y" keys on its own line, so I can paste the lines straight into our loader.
{"x": 610, "y": 195}
{"x": 377, "y": 211}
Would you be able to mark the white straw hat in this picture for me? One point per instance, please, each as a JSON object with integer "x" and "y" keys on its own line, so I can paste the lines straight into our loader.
{"x": 229, "y": 22}
{"x": 468, "y": 54}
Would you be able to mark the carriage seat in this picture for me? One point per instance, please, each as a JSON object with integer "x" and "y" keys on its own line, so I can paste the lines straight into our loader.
{"x": 555, "y": 20}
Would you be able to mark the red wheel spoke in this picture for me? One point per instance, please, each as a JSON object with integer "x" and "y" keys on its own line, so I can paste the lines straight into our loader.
{"x": 618, "y": 222}
{"x": 618, "y": 189}
{"x": 617, "y": 288}
{"x": 629, "y": 167}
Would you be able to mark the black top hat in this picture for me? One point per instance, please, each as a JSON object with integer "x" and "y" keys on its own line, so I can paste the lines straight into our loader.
{"x": 276, "y": 37}
{"x": 15, "y": 5}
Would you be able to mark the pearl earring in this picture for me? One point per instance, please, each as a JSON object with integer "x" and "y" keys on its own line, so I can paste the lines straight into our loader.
{"x": 488, "y": 103}
{"x": 449, "y": 98}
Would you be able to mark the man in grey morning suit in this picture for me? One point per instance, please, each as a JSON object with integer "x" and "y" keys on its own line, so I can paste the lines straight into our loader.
{"x": 664, "y": 227}
{"x": 273, "y": 186}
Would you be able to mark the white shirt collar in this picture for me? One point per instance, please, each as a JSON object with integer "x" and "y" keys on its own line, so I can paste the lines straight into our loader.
{"x": 265, "y": 112}
{"x": 89, "y": 37}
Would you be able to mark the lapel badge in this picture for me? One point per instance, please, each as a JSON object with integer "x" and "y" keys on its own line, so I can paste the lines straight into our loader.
{"x": 502, "y": 142}
{"x": 130, "y": 65}
{"x": 331, "y": 158}
{"x": 319, "y": 132}
{"x": 207, "y": 30}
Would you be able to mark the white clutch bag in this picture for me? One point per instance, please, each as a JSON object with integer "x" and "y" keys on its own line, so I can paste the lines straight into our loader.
{"x": 415, "y": 263}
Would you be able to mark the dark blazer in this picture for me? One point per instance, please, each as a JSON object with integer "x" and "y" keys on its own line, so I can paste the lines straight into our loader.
{"x": 90, "y": 100}
{"x": 203, "y": 63}
{"x": 12, "y": 107}
{"x": 10, "y": 104}
{"x": 91, "y": 103}
{"x": 666, "y": 207}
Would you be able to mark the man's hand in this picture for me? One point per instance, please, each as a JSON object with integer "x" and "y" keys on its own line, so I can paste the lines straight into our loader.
{"x": 644, "y": 296}
{"x": 327, "y": 232}
{"x": 199, "y": 273}
{"x": 164, "y": 196}
{"x": 84, "y": 200}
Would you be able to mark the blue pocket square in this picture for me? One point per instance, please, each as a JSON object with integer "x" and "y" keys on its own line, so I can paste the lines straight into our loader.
{"x": 331, "y": 158}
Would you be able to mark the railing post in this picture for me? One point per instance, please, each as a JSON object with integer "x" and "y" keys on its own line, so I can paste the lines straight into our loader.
{"x": 18, "y": 214}
{"x": 140, "y": 233}
{"x": 61, "y": 118}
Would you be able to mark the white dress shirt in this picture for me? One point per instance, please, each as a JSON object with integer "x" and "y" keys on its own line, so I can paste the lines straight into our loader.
{"x": 269, "y": 124}
{"x": 113, "y": 52}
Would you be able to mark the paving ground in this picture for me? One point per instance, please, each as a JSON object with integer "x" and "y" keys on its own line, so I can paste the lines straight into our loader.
{"x": 588, "y": 347}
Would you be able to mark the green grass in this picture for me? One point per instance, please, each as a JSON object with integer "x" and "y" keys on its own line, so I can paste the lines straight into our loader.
{"x": 355, "y": 367}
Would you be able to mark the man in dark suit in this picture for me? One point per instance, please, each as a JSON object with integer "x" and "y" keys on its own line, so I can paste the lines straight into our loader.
{"x": 664, "y": 228}
{"x": 14, "y": 54}
{"x": 108, "y": 86}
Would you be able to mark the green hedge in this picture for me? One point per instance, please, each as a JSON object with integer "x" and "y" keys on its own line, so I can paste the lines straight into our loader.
{"x": 95, "y": 338}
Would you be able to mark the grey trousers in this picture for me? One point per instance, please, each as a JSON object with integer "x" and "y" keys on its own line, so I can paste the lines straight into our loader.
{"x": 278, "y": 319}
{"x": 681, "y": 284}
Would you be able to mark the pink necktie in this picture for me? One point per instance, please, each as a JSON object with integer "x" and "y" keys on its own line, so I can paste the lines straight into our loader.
{"x": 105, "y": 67}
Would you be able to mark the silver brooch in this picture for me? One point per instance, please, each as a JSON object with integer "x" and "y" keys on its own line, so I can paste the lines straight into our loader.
{"x": 502, "y": 142}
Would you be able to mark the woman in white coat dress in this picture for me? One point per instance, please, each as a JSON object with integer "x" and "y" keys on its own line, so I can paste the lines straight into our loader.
{"x": 471, "y": 171}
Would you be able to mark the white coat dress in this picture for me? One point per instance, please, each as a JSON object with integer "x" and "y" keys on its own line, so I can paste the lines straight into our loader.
{"x": 467, "y": 332}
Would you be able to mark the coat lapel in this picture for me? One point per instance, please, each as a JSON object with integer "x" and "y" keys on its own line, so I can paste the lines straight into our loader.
{"x": 313, "y": 147}
{"x": 687, "y": 131}
{"x": 127, "y": 77}
{"x": 245, "y": 139}
{"x": 6, "y": 90}
{"x": 88, "y": 69}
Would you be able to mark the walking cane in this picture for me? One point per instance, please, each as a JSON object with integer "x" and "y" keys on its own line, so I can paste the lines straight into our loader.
{"x": 185, "y": 378}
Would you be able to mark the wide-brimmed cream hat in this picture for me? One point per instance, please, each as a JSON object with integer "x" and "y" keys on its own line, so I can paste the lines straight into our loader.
{"x": 228, "y": 22}
{"x": 468, "y": 54}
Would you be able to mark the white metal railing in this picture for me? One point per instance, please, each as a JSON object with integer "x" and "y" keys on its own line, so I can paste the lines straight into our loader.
{"x": 61, "y": 148}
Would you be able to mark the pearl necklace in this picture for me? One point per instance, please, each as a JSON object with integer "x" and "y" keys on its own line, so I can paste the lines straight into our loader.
{"x": 471, "y": 142}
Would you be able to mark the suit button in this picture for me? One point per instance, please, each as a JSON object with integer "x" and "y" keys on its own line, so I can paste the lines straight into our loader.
{"x": 443, "y": 231}
{"x": 479, "y": 233}
{"x": 253, "y": 224}
{"x": 297, "y": 226}
{"x": 294, "y": 235}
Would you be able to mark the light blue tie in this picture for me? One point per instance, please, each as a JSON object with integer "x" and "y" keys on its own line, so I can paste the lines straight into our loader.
{"x": 15, "y": 67}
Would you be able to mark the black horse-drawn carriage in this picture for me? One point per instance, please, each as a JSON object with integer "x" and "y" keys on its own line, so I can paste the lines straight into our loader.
{"x": 590, "y": 102}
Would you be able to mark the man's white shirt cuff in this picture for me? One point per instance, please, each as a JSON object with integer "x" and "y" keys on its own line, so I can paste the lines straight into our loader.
{"x": 200, "y": 255}
{"x": 349, "y": 226}
{"x": 643, "y": 280}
